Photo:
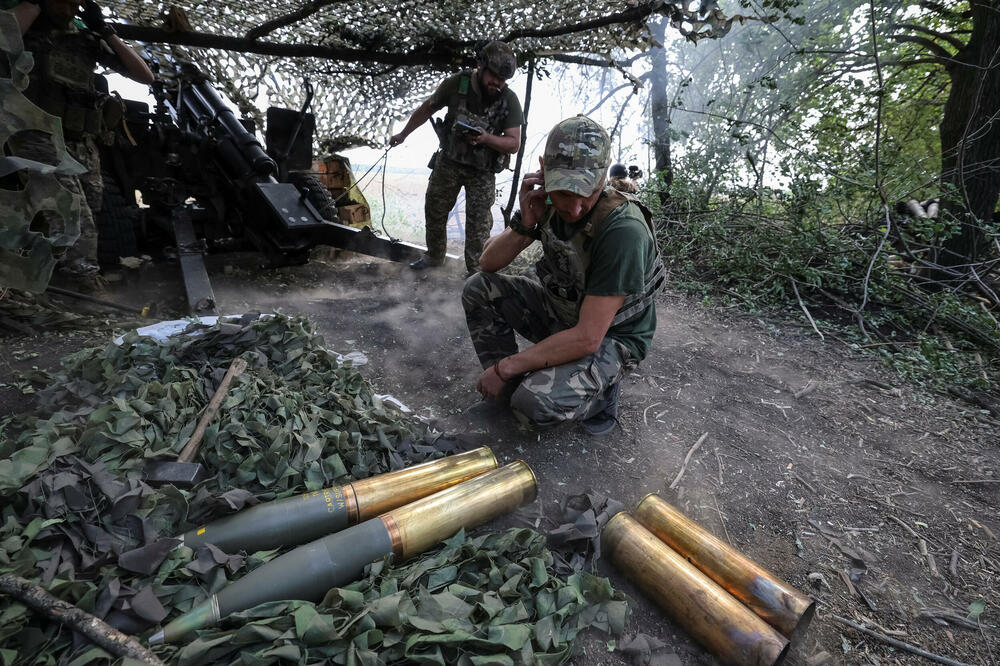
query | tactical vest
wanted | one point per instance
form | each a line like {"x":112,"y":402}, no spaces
{"x":62,"y":80}
{"x":453,"y":143}
{"x":563,"y":267}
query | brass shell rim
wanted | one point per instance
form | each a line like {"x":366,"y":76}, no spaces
{"x":646,"y":497}
{"x":609,"y":537}
{"x":496,"y":463}
{"x":534,"y":479}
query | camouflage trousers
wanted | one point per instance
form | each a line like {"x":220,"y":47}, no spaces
{"x":497,"y":307}
{"x":447,"y":178}
{"x":36,"y":145}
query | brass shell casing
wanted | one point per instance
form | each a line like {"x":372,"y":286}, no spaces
{"x":375,"y":495}
{"x":720,"y":623}
{"x":777,"y":603}
{"x":419,"y":525}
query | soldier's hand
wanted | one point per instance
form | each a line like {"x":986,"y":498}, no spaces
{"x":476,"y":138}
{"x":489,"y":384}
{"x":396,"y":139}
{"x":92,"y":15}
{"x":532,"y":196}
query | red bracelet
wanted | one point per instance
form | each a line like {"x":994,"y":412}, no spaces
{"x":496,"y":369}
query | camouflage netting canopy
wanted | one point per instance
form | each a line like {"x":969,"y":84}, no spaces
{"x":371,"y":60}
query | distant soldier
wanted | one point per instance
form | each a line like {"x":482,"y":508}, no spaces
{"x":590,"y":312}
{"x":620,"y":179}
{"x":66,"y":54}
{"x":481,"y":129}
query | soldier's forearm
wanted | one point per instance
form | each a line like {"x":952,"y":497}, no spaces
{"x":500,"y":250}
{"x":502,"y":143}
{"x":422,"y":114}
{"x":136,"y":67}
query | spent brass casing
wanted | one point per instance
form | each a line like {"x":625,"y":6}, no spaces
{"x":719,"y":622}
{"x":777,"y":603}
{"x":309,"y":571}
{"x":311,"y":515}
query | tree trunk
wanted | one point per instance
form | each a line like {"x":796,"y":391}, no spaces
{"x":660,"y":110}
{"x":970,"y":136}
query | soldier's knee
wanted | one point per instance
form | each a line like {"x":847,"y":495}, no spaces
{"x":474,"y":291}
{"x":537,"y":408}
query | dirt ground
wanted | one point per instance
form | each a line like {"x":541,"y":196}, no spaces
{"x":874,"y":495}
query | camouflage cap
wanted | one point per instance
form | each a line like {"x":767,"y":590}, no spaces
{"x":577,"y":153}
{"x":499,"y":58}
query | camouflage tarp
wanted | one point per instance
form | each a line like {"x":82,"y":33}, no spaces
{"x":27,"y":256}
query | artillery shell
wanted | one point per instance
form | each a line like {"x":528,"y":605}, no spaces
{"x":309,"y":571}
{"x":309,"y":516}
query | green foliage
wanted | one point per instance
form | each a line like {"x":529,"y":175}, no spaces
{"x":489,"y":599}
{"x":760,"y":248}
{"x":78,"y":518}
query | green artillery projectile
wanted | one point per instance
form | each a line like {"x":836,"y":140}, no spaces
{"x":307,"y":517}
{"x":309,"y":571}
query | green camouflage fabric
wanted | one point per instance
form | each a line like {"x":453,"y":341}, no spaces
{"x":78,"y":518}
{"x":497,"y":307}
{"x":89,"y":186}
{"x":27,"y":186}
{"x":446,"y":180}
{"x":577,"y":153}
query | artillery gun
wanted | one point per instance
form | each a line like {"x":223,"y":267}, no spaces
{"x":207,"y":184}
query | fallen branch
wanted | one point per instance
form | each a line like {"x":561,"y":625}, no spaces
{"x":806,"y":311}
{"x":805,"y":390}
{"x":913,"y":649}
{"x":96,"y":630}
{"x":687,"y":459}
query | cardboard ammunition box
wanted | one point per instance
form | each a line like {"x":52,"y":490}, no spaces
{"x":337,"y":175}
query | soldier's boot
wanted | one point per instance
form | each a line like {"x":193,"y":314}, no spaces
{"x":425,"y":262}
{"x":604,"y":421}
{"x":79,"y":267}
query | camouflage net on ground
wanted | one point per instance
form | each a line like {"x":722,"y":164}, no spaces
{"x":384,"y":58}
{"x":79,"y":519}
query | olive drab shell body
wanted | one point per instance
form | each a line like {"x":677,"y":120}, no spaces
{"x":311,"y":515}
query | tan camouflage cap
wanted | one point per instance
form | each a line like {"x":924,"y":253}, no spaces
{"x":577,"y":154}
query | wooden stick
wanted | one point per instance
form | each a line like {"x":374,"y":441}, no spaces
{"x":899,"y":644}
{"x":94,"y":629}
{"x":953,"y":567}
{"x":236,"y":368}
{"x":687,"y":459}
{"x":904,"y":526}
{"x":805,"y":390}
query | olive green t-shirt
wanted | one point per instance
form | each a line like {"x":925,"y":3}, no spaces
{"x":448,"y":91}
{"x":622,"y":254}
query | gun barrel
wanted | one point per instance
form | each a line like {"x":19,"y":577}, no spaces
{"x":717,"y":620}
{"x":309,"y":516}
{"x":777,"y":603}
{"x":309,"y":571}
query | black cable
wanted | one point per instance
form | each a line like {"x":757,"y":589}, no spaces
{"x":385,"y":167}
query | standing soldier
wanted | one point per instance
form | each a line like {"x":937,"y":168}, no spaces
{"x":481,"y":129}
{"x":62,"y":83}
